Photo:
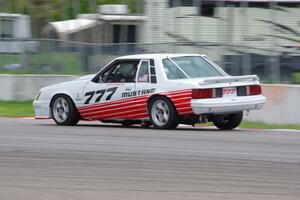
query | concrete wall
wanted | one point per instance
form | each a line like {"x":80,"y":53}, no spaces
{"x":25,"y":87}
{"x":282,"y":107}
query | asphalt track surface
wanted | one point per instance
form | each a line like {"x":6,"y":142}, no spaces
{"x":39,"y":160}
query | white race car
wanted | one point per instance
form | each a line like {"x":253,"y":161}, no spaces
{"x":162,"y":90}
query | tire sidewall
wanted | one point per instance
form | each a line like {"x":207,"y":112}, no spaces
{"x":173,"y":117}
{"x":73,"y":115}
{"x":234,"y":121}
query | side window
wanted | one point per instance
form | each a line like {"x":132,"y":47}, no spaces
{"x":172,"y":71}
{"x":104,"y":75}
{"x":6,"y":28}
{"x":123,"y":72}
{"x":143,"y":75}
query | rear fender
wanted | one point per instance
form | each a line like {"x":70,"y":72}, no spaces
{"x":181,"y":100}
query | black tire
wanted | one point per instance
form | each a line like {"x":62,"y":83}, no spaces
{"x":71,"y":117}
{"x":171,"y":119}
{"x":229,"y":121}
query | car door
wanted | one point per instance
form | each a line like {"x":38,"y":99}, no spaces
{"x":108,"y":86}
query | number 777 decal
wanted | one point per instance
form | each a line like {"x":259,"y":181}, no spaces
{"x":100,"y":94}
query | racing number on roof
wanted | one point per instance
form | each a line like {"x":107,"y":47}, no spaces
{"x":100,"y":94}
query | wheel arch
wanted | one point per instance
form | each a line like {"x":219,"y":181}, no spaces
{"x":171,"y":121}
{"x":152,"y":97}
{"x":57,"y":94}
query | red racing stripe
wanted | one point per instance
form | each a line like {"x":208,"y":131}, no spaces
{"x":112,"y":102}
{"x":134,"y":107}
{"x":113,"y":106}
{"x":185,"y":100}
{"x":182,"y":103}
{"x":122,"y":115}
{"x":176,"y":92}
{"x":114,"y":110}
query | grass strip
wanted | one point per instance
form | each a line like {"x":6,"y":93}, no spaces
{"x":257,"y":125}
{"x":16,"y":109}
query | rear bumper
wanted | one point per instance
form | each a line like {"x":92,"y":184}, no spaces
{"x":41,"y":109}
{"x":227,"y":105}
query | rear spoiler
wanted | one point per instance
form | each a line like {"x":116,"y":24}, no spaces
{"x":228,"y":79}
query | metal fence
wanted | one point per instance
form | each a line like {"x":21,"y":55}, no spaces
{"x":256,"y":40}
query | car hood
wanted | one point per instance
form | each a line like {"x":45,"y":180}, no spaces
{"x":87,"y":77}
{"x":79,"y":82}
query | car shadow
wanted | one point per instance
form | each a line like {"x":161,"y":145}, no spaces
{"x":118,"y":126}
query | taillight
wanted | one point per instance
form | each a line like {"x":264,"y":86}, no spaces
{"x":254,"y":90}
{"x":202,"y":93}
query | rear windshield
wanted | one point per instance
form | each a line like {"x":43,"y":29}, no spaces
{"x":193,"y":66}
{"x":172,"y":71}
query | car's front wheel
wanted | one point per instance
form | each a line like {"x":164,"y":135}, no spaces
{"x":162,"y":113}
{"x":64,"y":111}
{"x":229,"y":121}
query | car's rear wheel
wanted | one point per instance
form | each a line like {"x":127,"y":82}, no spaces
{"x":64,"y":111}
{"x":162,"y":113}
{"x":229,"y":121}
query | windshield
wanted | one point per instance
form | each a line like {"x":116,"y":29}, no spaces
{"x":192,"y":66}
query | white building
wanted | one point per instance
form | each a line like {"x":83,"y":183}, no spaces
{"x":258,"y":23}
{"x":14,"y":30}
{"x":113,"y":24}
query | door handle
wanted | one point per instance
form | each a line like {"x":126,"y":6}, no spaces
{"x":128,"y":88}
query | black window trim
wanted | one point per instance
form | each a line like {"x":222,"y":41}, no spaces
{"x":172,"y":61}
{"x":110,"y":65}
{"x":138,"y":71}
{"x":152,"y":63}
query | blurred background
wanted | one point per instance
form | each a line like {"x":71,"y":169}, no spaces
{"x":80,"y":36}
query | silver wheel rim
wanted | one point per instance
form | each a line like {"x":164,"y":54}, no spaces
{"x":160,"y":112}
{"x":60,"y":110}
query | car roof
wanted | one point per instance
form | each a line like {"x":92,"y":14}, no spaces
{"x":155,"y":55}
